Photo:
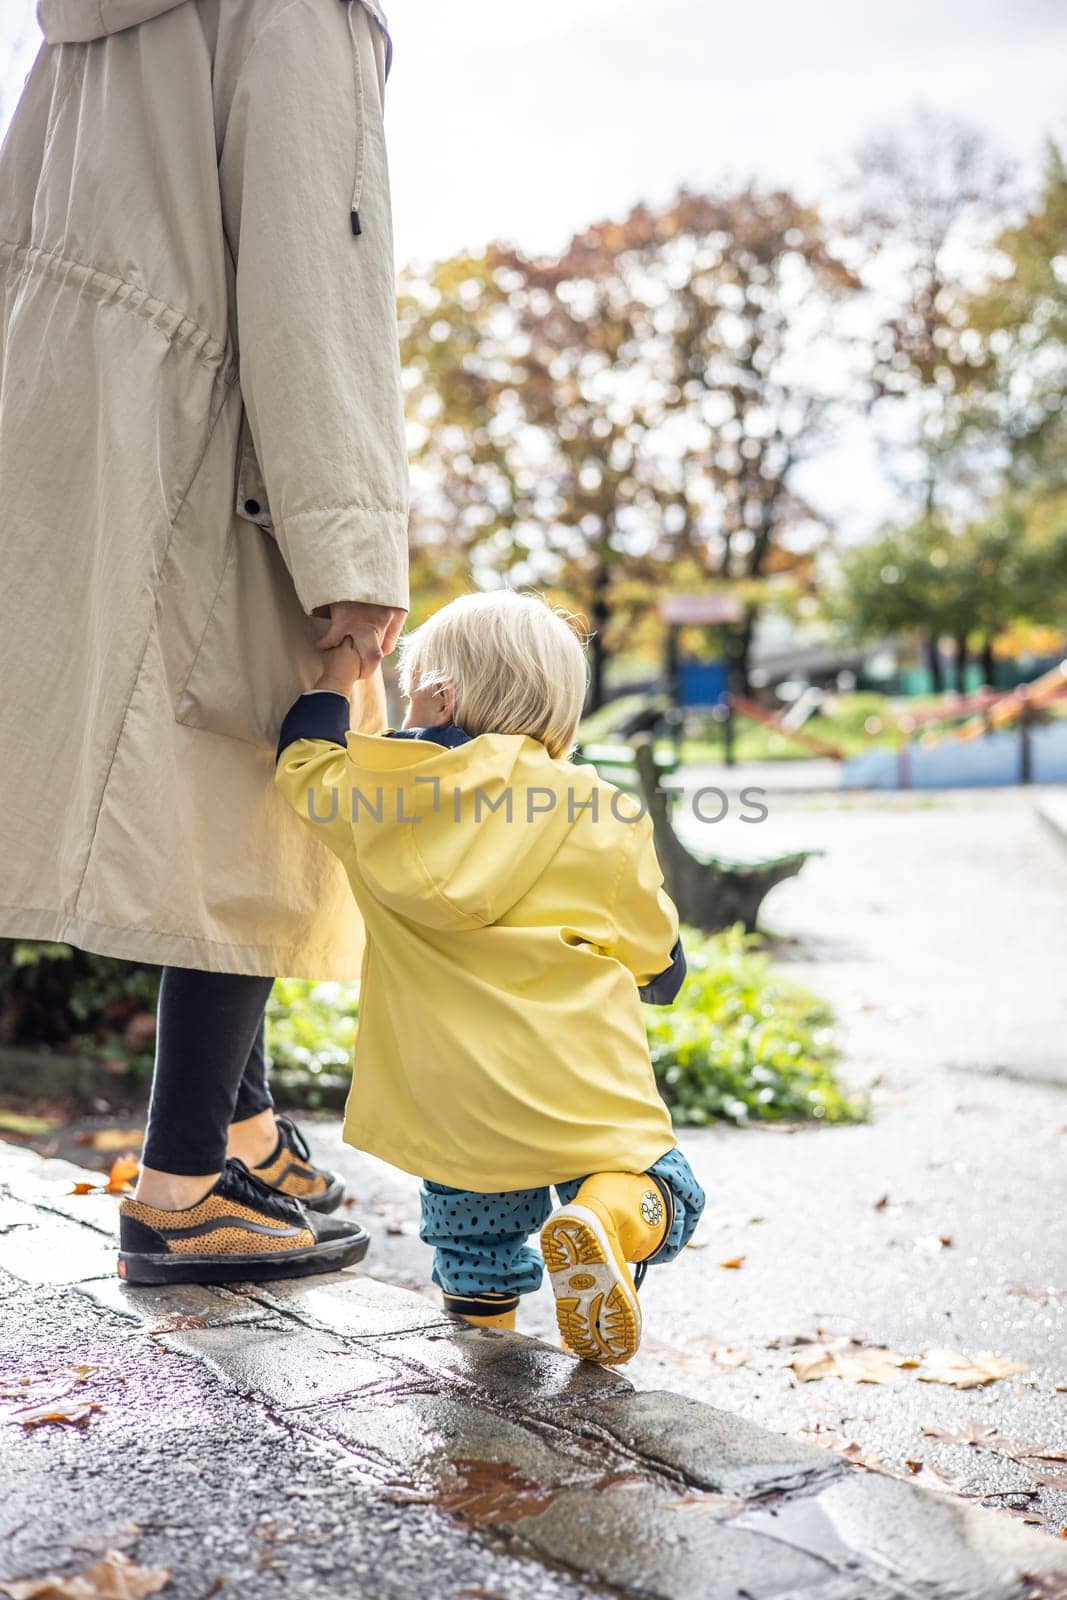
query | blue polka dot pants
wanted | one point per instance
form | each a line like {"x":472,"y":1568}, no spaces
{"x":479,"y":1240}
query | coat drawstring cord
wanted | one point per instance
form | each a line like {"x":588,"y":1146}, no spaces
{"x":361,"y":137}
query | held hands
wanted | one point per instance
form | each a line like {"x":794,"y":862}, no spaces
{"x":360,"y":634}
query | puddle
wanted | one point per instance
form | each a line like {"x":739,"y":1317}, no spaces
{"x":486,"y":1494}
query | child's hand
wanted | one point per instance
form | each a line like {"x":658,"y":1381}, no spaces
{"x":341,"y":668}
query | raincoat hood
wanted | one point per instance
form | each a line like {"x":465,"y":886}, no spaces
{"x":453,"y":838}
{"x":77,"y":21}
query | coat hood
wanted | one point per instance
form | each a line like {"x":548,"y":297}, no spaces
{"x":77,"y":21}
{"x":453,"y":838}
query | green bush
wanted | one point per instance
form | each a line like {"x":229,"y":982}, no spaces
{"x":741,"y":1043}
{"x":311,"y":1027}
{"x":67,"y":999}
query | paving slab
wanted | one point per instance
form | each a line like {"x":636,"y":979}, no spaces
{"x":356,"y":1423}
{"x":171,"y":1307}
{"x":358,"y":1306}
{"x":287,"y":1369}
{"x":427,"y":1439}
{"x":56,"y":1251}
{"x":711,"y":1448}
{"x":931,"y":1543}
{"x":518,"y":1370}
{"x":653,"y":1542}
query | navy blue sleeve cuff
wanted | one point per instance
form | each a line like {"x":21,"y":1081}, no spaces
{"x":316,"y":716}
{"x":664,"y":987}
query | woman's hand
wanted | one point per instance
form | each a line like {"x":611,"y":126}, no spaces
{"x":373,"y":629}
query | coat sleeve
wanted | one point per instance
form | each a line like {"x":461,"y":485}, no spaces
{"x":645,"y":921}
{"x":303,"y":149}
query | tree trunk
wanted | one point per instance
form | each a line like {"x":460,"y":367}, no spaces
{"x":961,"y":664}
{"x":932,"y":651}
{"x":740,"y":647}
{"x":989,"y":662}
{"x":598,"y":651}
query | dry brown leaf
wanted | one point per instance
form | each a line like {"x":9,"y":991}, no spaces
{"x":116,"y":1577}
{"x":952,"y":1367}
{"x":1040,"y":1297}
{"x":978,"y":1434}
{"x":726,"y":1357}
{"x":74,"y":1412}
{"x":882,"y":1203}
{"x":123,"y":1172}
{"x":112,"y":1141}
{"x":854,"y":1363}
{"x":982,"y":1437}
{"x":733,"y":1263}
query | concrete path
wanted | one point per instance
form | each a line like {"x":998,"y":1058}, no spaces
{"x":938,"y":929}
{"x":342,"y":1438}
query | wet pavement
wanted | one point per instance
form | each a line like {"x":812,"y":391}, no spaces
{"x":342,"y":1437}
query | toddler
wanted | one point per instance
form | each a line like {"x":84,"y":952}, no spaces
{"x":515,"y":919}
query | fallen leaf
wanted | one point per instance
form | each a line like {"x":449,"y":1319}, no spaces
{"x":25,"y":1125}
{"x":86,"y":1188}
{"x":733,"y":1263}
{"x":952,"y":1367}
{"x":880,"y":1205}
{"x":123,"y":1173}
{"x":113,"y":1578}
{"x":112,"y":1139}
{"x":1040,"y":1297}
{"x":977,"y":1434}
{"x":853,"y":1362}
{"x":1061,"y":1388}
{"x":941,"y":1478}
{"x":74,"y":1412}
{"x":727,"y":1357}
{"x":982,"y":1437}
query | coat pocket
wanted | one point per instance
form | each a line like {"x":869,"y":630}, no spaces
{"x":257,"y":649}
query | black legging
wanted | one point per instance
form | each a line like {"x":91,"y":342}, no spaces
{"x":210,"y":1067}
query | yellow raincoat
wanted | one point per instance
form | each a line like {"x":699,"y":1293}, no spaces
{"x":512,"y":904}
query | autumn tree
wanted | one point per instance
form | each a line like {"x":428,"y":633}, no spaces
{"x":1020,"y":317}
{"x":924,"y":198}
{"x":633,"y":407}
{"x":968,"y":583}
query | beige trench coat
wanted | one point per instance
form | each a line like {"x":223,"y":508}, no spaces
{"x":201,"y":441}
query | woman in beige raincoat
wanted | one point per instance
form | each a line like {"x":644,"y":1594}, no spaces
{"x":202,"y":480}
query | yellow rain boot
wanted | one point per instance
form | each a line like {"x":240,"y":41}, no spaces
{"x":615,"y":1218}
{"x":484,"y":1310}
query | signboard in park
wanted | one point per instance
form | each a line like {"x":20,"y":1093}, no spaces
{"x":694,"y":609}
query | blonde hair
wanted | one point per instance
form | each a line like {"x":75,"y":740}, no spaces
{"x":514,"y":663}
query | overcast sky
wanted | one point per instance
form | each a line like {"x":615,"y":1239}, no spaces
{"x":527,"y":119}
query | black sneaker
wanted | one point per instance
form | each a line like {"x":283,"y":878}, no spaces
{"x":291,"y":1170}
{"x":242,"y":1231}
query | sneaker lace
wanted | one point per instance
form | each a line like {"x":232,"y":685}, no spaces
{"x":293,"y":1137}
{"x":243,"y":1186}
